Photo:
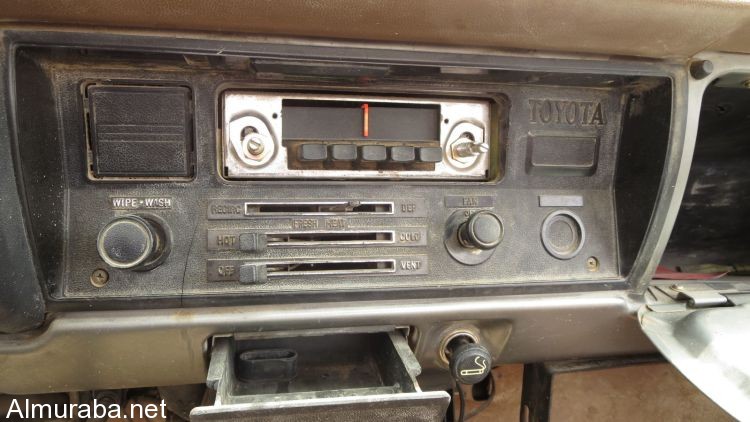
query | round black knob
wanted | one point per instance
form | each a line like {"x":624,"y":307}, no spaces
{"x":483,"y":230}
{"x":470,"y":363}
{"x":131,"y":242}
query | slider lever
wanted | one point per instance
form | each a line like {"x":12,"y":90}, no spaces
{"x":348,"y":207}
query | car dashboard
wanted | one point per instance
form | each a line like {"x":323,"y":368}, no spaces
{"x":173,"y":202}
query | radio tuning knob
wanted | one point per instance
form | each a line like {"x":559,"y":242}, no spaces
{"x":483,"y":230}
{"x":133,"y":242}
{"x":466,"y":147}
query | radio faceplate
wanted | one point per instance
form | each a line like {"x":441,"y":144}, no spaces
{"x":306,"y":136}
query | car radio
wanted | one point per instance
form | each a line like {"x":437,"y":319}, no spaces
{"x":269,"y":135}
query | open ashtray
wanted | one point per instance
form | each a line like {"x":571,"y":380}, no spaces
{"x":346,"y":377}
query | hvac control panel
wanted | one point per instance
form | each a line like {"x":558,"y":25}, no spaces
{"x":368,"y":228}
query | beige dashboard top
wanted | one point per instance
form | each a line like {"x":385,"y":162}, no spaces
{"x":651,"y":28}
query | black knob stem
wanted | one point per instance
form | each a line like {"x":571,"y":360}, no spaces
{"x":483,"y":230}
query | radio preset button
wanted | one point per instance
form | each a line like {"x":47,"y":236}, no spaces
{"x":344,"y":152}
{"x":402,"y":154}
{"x":373,"y":153}
{"x":430,"y":154}
{"x":313,"y":152}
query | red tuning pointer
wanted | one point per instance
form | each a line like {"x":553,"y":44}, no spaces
{"x":366,"y":120}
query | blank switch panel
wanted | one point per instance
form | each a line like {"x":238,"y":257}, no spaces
{"x":140,"y":132}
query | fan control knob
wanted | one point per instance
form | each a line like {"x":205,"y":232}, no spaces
{"x":483,"y":230}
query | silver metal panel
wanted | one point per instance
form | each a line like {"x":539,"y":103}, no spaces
{"x":709,"y":346}
{"x":427,"y":407}
{"x":560,"y":200}
{"x":121,"y":349}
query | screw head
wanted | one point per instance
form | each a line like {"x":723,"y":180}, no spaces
{"x":592,"y":264}
{"x":254,"y":144}
{"x":252,"y":141}
{"x":699,"y":69}
{"x":99,"y":277}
